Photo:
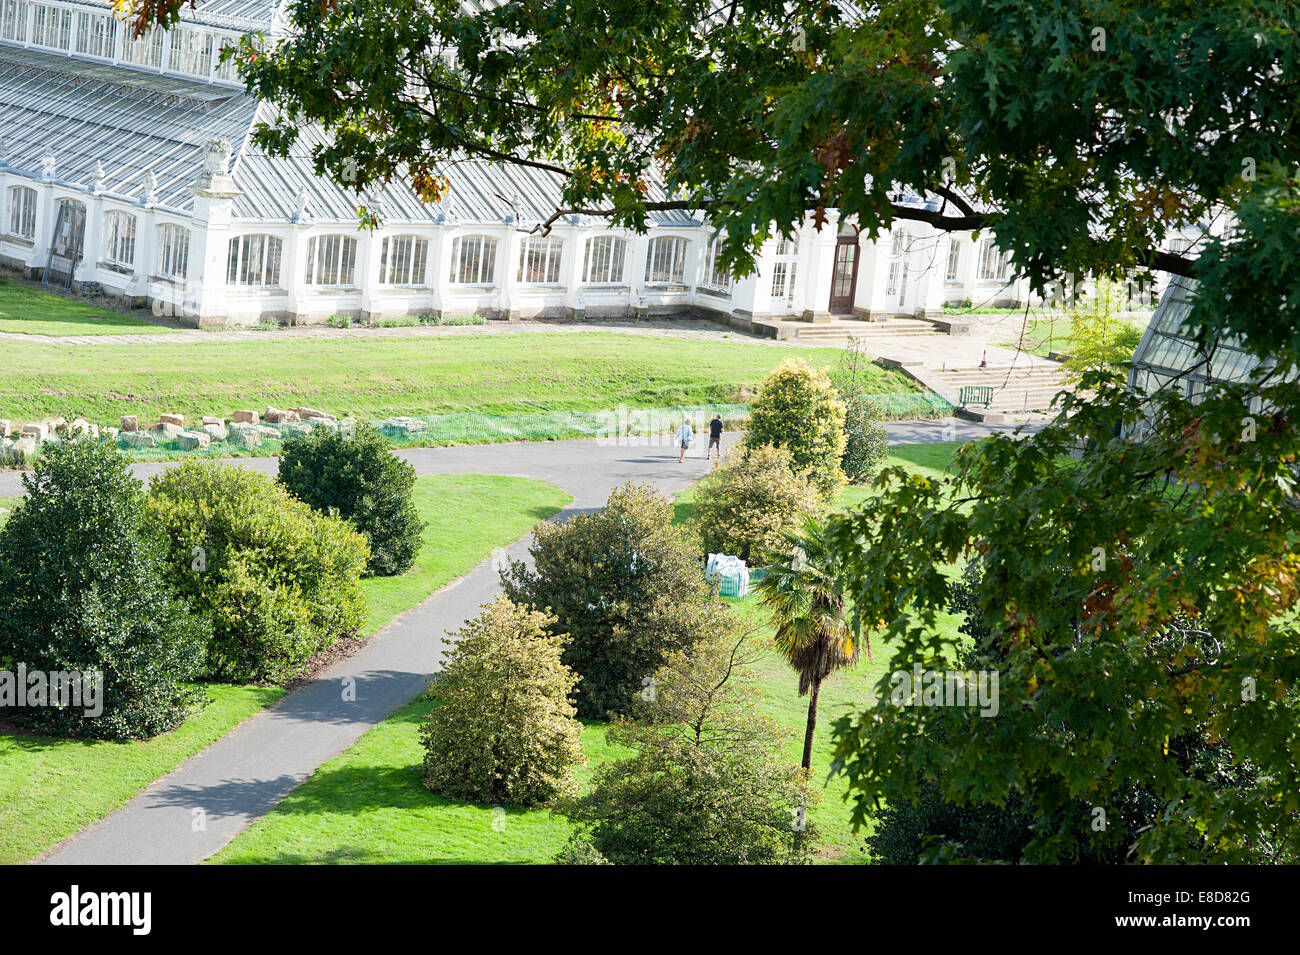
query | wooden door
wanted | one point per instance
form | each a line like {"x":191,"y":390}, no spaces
{"x":844,"y":275}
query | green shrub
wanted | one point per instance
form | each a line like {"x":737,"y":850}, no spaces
{"x":504,"y":732}
{"x":358,"y":477}
{"x":797,"y":409}
{"x":579,"y":851}
{"x":866,"y":443}
{"x":83,"y":591}
{"x":1100,"y":339}
{"x":753,"y":498}
{"x":279,"y":581}
{"x":711,"y":782}
{"x":625,"y":584}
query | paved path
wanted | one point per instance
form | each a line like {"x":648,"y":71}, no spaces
{"x":698,"y":329}
{"x":246,"y":773}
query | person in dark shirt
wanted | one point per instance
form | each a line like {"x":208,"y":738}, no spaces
{"x":715,"y":435}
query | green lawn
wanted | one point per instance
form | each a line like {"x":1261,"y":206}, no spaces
{"x":1043,"y":336}
{"x":51,"y":788}
{"x":375,"y":378}
{"x":7,"y":504}
{"x":368,"y":805}
{"x":469,"y":516}
{"x":29,"y":311}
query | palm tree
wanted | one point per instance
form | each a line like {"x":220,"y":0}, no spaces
{"x":812,"y":627}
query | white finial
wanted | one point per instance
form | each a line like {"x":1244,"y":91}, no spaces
{"x":216,"y":157}
{"x":300,"y":200}
{"x":48,"y":162}
{"x":97,"y":178}
{"x":151,"y":188}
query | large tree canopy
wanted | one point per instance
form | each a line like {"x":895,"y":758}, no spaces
{"x":1078,"y":132}
{"x":1139,"y":596}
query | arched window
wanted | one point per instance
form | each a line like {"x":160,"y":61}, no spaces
{"x":13,"y":20}
{"x":146,"y":50}
{"x":402,"y":259}
{"x":254,"y":261}
{"x":715,"y":275}
{"x":331,"y":260}
{"x":896,"y":283}
{"x":473,"y":260}
{"x":52,"y":27}
{"x":97,"y":35}
{"x":666,"y":262}
{"x":22,"y":212}
{"x":993,"y":264}
{"x":954,"y":259}
{"x":191,"y":51}
{"x":785,"y":270}
{"x":539,"y":260}
{"x":173,"y":251}
{"x":603,"y":264}
{"x":227,"y":69}
{"x":119,"y":239}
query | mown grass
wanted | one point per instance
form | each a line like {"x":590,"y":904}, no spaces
{"x":372,"y":378}
{"x":51,"y":788}
{"x":28,"y":311}
{"x":468,"y":516}
{"x":368,"y":805}
{"x":1042,"y":336}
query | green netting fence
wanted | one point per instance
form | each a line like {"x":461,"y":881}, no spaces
{"x":911,"y":404}
{"x":477,"y":428}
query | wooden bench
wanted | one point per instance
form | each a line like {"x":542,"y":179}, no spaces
{"x":975,"y":395}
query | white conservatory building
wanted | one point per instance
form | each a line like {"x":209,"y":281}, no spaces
{"x":126,"y":168}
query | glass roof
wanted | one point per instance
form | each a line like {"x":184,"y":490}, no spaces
{"x":1169,"y":357}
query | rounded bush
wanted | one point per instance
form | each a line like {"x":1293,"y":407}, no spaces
{"x":797,"y":409}
{"x":625,"y":584}
{"x":504,"y":731}
{"x":357,"y":476}
{"x":754,"y":497}
{"x":84,"y":592}
{"x":279,"y":581}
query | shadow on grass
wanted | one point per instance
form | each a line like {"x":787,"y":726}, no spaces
{"x":16,"y":735}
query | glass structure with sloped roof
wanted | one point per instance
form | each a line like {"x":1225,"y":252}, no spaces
{"x":1169,"y":357}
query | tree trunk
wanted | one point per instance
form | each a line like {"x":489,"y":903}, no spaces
{"x":812,"y":725}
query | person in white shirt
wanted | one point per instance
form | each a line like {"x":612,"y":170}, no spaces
{"x":685,"y":435}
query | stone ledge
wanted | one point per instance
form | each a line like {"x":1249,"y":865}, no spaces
{"x":950,"y":326}
{"x":982,"y":415}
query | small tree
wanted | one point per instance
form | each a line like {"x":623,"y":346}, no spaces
{"x":279,"y":581}
{"x":1100,"y":340}
{"x":83,"y":591}
{"x":625,"y":584}
{"x":797,"y":409}
{"x":710,"y":783}
{"x":358,"y":477}
{"x":504,"y":731}
{"x":746,"y":505}
{"x":865,"y":442}
{"x":808,"y":612}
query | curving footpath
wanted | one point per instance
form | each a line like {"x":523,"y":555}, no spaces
{"x":188,"y":815}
